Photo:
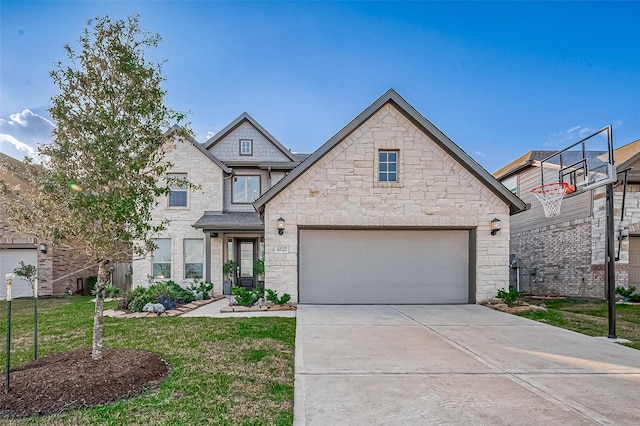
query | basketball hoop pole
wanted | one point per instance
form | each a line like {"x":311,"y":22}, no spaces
{"x":609,"y":262}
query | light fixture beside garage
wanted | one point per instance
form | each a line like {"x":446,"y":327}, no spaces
{"x":494,"y":225}
{"x":43,"y":248}
{"x":280,"y":225}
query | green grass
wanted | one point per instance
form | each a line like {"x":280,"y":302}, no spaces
{"x":230,"y":371}
{"x":590,"y":317}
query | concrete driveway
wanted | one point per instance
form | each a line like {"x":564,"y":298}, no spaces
{"x":464,"y":364}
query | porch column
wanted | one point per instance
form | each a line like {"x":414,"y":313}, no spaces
{"x":207,"y":256}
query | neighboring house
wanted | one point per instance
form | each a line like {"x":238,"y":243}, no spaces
{"x":564,"y":255}
{"x":59,"y":269}
{"x":216,"y":222}
{"x":389,"y":210}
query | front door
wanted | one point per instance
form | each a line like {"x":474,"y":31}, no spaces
{"x":245,"y":255}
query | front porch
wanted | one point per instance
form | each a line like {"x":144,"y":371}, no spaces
{"x":238,"y":240}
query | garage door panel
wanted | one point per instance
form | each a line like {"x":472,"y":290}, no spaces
{"x":384,"y":266}
{"x":9,"y":260}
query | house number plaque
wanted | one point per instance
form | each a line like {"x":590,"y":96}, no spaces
{"x":282,"y":249}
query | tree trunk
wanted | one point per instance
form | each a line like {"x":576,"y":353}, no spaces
{"x":98,"y":319}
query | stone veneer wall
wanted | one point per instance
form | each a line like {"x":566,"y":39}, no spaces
{"x":341,"y":189}
{"x":201,"y":171}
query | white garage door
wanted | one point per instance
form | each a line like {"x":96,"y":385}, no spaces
{"x":384,"y":266}
{"x":9,"y":260}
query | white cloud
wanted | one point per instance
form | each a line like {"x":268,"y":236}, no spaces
{"x":480,"y":154}
{"x":22,"y":132}
{"x":20,"y":146}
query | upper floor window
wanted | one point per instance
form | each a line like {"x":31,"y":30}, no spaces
{"x":246,"y":189}
{"x":511,"y":184}
{"x":246,"y":147}
{"x":178,"y":192}
{"x":387,"y":166}
{"x":162,"y":259}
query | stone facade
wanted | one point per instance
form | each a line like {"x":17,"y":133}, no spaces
{"x":433,"y":190}
{"x":200,"y":171}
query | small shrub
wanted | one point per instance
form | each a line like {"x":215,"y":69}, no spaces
{"x":153,"y":307}
{"x":137,"y":304}
{"x":124,"y":301}
{"x":634,"y":298}
{"x":91,"y":284}
{"x":167,"y":302}
{"x":244,"y":297}
{"x":508,"y":297}
{"x":272,"y":296}
{"x":201,"y":290}
{"x":111,"y":291}
{"x":625,"y":292}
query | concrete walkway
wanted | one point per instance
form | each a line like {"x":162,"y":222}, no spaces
{"x":461,"y":365}
{"x":212,"y":310}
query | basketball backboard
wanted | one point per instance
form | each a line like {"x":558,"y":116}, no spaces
{"x":585,"y":165}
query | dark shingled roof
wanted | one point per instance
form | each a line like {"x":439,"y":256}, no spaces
{"x":230,"y":221}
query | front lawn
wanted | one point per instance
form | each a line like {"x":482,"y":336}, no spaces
{"x":225,"y":371}
{"x":590,"y":317}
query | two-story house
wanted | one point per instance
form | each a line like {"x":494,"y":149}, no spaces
{"x":564,"y":255}
{"x":217,"y":222}
{"x":389,"y":210}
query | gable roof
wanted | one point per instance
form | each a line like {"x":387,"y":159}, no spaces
{"x":200,"y":148}
{"x":12,"y":170}
{"x":523,"y":162}
{"x":624,"y":157}
{"x":245,"y":117}
{"x":627,"y":154}
{"x":392,"y":97}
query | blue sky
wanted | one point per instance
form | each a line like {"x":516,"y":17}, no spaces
{"x":498,"y":78}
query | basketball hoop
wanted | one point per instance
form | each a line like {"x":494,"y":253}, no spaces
{"x":551,"y":195}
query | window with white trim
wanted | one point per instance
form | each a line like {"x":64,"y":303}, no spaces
{"x":246,"y":189}
{"x":193,"y":258}
{"x":178,"y":192}
{"x":387,"y":166}
{"x":162,"y":259}
{"x":246,"y":147}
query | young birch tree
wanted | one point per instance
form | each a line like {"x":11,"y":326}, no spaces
{"x":102,"y":175}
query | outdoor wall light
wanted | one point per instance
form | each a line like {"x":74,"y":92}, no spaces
{"x":280,"y":225}
{"x":494,"y":225}
{"x":43,"y":248}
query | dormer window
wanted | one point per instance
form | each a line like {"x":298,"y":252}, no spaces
{"x":246,"y":147}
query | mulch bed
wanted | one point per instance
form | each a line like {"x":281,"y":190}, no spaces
{"x":72,"y":380}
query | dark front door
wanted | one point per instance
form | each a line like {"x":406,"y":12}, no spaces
{"x":246,"y":256}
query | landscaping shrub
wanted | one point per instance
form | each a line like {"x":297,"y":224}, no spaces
{"x":167,"y":302}
{"x":244,"y":297}
{"x":91,"y":285}
{"x":272,"y":296}
{"x":201,"y":290}
{"x":625,"y":292}
{"x":111,"y":291}
{"x":153,"y":307}
{"x":508,"y":297}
